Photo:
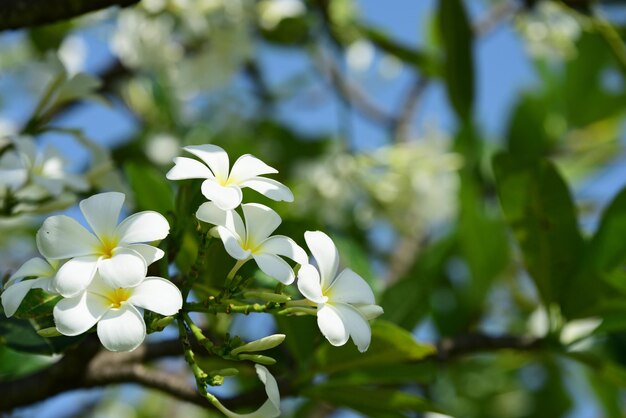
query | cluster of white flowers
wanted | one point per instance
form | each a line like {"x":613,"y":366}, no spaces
{"x":99,"y":274}
{"x":394,"y":183}
{"x":550,"y":31}
{"x":344,"y":303}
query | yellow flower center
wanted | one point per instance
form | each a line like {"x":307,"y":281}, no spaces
{"x":117,"y":297}
{"x":107,"y":245}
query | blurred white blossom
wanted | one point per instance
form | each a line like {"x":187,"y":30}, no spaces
{"x":550,"y":30}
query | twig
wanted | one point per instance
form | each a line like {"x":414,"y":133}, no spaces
{"x":401,"y":126}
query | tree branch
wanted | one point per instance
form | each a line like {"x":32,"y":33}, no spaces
{"x":462,"y":345}
{"x":15,"y":14}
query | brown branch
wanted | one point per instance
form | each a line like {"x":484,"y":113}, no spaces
{"x":15,"y":14}
{"x":462,"y":345}
{"x":401,"y":126}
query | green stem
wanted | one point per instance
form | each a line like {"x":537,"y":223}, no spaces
{"x":197,"y":332}
{"x":234,"y":270}
{"x":231,"y":308}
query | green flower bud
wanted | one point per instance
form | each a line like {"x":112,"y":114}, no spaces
{"x":225,"y":372}
{"x":268,"y":296}
{"x":257,"y":358}
{"x":263,"y":344}
{"x":49,"y":332}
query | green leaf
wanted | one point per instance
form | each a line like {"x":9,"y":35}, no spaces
{"x":354,"y":257}
{"x":411,"y":56}
{"x":368,"y":400}
{"x":539,"y":208}
{"x":390,"y":344}
{"x":527,"y":137}
{"x":491,"y":256}
{"x":458,"y":66}
{"x":20,"y":335}
{"x":151,"y":189}
{"x":600,"y":286}
{"x":420,"y":372}
{"x":303,"y":337}
{"x":406,"y":302}
{"x":37,"y":303}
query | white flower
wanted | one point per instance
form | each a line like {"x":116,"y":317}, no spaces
{"x":271,"y":407}
{"x":16,"y":289}
{"x":345,"y":302}
{"x":115,"y":309}
{"x":253,"y":239}
{"x":116,"y":251}
{"x":42,"y":173}
{"x":224,"y":187}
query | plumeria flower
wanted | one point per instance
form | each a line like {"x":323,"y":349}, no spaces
{"x":41,"y":172}
{"x":117,"y":251}
{"x":17,"y":288}
{"x":345,"y":302}
{"x":271,"y":407}
{"x":253,"y":240}
{"x":115,"y":310}
{"x":224,"y":187}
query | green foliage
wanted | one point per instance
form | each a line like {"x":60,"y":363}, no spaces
{"x":538,"y":207}
{"x":458,"y":64}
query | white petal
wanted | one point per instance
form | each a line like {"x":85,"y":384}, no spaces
{"x":325,"y":253}
{"x":261,"y":221}
{"x":285,"y":246}
{"x":188,"y":168}
{"x":54,"y":187}
{"x":102,"y":211}
{"x":148,"y":252}
{"x":349,"y":287}
{"x":309,"y":284}
{"x":269,"y":188}
{"x":62,"y":237}
{"x":225,"y":198}
{"x":122,"y":329}
{"x":157,"y":295}
{"x":248,"y":166}
{"x":275,"y":267}
{"x":75,"y":275}
{"x":214,"y":156}
{"x":271,"y":407}
{"x":126,"y":268}
{"x":76,"y":315}
{"x":13,"y":296}
{"x":369,"y":312}
{"x":232,"y":244}
{"x":331,"y":325}
{"x":35,"y":267}
{"x":144,"y":226}
{"x":209,"y":212}
{"x":356,"y":325}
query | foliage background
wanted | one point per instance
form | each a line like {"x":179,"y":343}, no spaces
{"x":467,"y":157}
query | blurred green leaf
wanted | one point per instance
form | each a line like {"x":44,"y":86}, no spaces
{"x":37,"y":303}
{"x":489,"y":258}
{"x":458,"y":64}
{"x":151,"y":189}
{"x":406,"y":302}
{"x":411,"y":56}
{"x":538,"y":207}
{"x":389,"y":402}
{"x":390,"y":344}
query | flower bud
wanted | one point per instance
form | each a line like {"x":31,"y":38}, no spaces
{"x":263,"y":344}
{"x":225,"y":372}
{"x":49,"y":332}
{"x":257,"y":358}
{"x":163,"y":322}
